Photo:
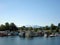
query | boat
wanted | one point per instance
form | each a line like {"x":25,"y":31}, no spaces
{"x":52,"y":35}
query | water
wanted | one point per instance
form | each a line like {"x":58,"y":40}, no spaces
{"x":16,"y":40}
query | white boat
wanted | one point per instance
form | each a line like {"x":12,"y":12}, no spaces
{"x":52,"y":35}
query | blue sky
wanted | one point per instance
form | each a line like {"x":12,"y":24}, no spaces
{"x":30,"y":12}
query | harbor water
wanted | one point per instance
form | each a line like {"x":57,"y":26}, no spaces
{"x":16,"y":40}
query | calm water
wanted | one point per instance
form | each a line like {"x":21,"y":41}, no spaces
{"x":16,"y":40}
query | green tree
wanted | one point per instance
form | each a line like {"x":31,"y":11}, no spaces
{"x":7,"y":26}
{"x":53,"y":27}
{"x":41,"y":28}
{"x":23,"y":27}
{"x":30,"y":28}
{"x":36,"y":29}
{"x":2,"y":27}
{"x":58,"y":25}
{"x":13,"y":27}
{"x":26,"y":28}
{"x":47,"y":28}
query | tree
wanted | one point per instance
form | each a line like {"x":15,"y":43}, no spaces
{"x":41,"y":28}
{"x":13,"y":27}
{"x":58,"y":25}
{"x":30,"y":28}
{"x":53,"y":27}
{"x":47,"y":28}
{"x":20,"y":28}
{"x":7,"y":26}
{"x":58,"y":28}
{"x":23,"y":27}
{"x":26,"y":28}
{"x":36,"y":29}
{"x":2,"y":27}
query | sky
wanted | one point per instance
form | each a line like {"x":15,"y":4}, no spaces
{"x":30,"y":12}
